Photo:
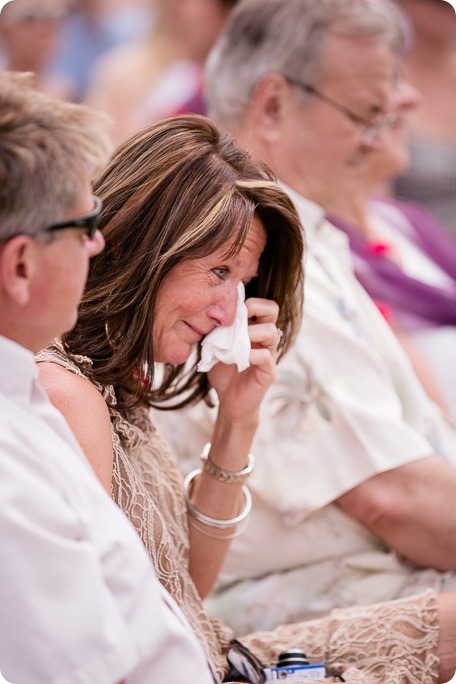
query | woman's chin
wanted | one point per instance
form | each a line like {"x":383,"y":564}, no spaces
{"x":176,"y":356}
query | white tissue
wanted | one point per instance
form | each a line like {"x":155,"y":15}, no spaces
{"x":228,"y":344}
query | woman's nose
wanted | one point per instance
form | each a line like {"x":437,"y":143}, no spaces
{"x":223,"y":311}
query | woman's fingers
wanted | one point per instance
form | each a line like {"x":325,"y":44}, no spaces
{"x":264,"y":335}
{"x":262,"y":365}
{"x":263,"y":314}
{"x":262,"y":310}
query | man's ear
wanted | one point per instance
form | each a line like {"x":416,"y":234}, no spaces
{"x":17,"y":268}
{"x":269,"y":104}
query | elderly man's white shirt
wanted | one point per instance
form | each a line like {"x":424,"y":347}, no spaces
{"x":346,"y":392}
{"x":79,"y":601}
{"x":345,"y":406}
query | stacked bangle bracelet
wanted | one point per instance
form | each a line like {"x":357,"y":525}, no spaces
{"x":215,"y":522}
{"x":220,"y":535}
{"x":228,"y":476}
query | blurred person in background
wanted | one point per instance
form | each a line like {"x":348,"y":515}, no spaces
{"x":29,"y":33}
{"x":162,"y":74}
{"x":405,"y":260}
{"x":431,"y":67}
{"x":91,"y":29}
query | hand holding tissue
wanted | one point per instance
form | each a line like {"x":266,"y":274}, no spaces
{"x":228,"y":344}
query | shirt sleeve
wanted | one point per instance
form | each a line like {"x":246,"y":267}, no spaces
{"x":59,"y":622}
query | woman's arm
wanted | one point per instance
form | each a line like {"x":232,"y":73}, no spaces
{"x":87,"y":414}
{"x":240,"y":396}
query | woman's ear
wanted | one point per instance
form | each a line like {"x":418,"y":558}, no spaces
{"x":17,"y":267}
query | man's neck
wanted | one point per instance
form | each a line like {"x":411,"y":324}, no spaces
{"x":20,"y":336}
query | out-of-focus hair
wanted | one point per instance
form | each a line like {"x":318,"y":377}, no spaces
{"x":47,"y":148}
{"x":288,"y":37}
{"x":178,"y":190}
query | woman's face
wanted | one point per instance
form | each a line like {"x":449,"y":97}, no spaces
{"x":198,"y":295}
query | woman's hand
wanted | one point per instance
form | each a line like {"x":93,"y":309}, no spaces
{"x":240,"y":394}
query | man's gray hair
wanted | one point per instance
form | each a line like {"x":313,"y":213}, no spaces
{"x":284,"y":36}
{"x":47,"y":148}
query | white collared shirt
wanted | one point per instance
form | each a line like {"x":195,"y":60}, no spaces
{"x":79,"y":601}
{"x":346,"y":403}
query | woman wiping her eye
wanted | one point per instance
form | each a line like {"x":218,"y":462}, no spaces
{"x":187,"y":217}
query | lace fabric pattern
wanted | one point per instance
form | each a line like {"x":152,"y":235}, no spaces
{"x":392,"y":643}
{"x":388,"y":643}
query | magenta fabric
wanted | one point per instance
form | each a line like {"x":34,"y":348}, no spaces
{"x":387,"y":283}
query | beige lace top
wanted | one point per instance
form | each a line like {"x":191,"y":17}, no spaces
{"x":389,"y":643}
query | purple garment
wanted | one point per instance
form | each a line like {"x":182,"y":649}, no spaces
{"x":385,"y":281}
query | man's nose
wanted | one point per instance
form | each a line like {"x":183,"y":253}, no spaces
{"x":407,"y":97}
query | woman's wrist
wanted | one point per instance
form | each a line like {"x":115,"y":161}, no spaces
{"x":228,"y":476}
{"x":245,"y":425}
{"x":231,"y":442}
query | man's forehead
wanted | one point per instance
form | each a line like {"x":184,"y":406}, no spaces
{"x":358,"y":69}
{"x":352,"y":58}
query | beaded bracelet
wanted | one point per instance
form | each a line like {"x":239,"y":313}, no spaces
{"x":206,"y":519}
{"x":228,"y":476}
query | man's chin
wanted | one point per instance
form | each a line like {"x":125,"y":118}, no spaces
{"x":69,"y":325}
{"x":358,"y":163}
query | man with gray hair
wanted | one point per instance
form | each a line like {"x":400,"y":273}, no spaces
{"x":79,"y":600}
{"x":352,"y":486}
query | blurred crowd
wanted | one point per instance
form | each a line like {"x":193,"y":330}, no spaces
{"x":138,"y":60}
{"x":141,"y":60}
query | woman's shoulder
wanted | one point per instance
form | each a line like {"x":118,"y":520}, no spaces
{"x":66,"y":383}
{"x":86,"y":412}
{"x":71,"y":392}
{"x":56,"y":355}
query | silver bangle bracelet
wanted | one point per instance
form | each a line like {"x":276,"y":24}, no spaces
{"x":228,"y":476}
{"x":206,"y":519}
{"x":220,"y":536}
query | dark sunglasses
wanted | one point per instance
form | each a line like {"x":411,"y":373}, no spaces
{"x":89,"y":221}
{"x":245,"y":666}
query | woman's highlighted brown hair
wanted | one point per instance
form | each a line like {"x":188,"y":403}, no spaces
{"x":178,"y":190}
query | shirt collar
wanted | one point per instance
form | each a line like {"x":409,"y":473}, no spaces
{"x":319,"y":232}
{"x":312,"y":214}
{"x":18,"y":370}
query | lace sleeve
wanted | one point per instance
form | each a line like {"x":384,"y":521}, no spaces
{"x":391,"y":643}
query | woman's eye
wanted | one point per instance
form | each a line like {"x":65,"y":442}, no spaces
{"x":220,"y":272}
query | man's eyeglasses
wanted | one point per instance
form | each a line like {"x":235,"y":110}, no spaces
{"x":371,"y":128}
{"x":88,"y":221}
